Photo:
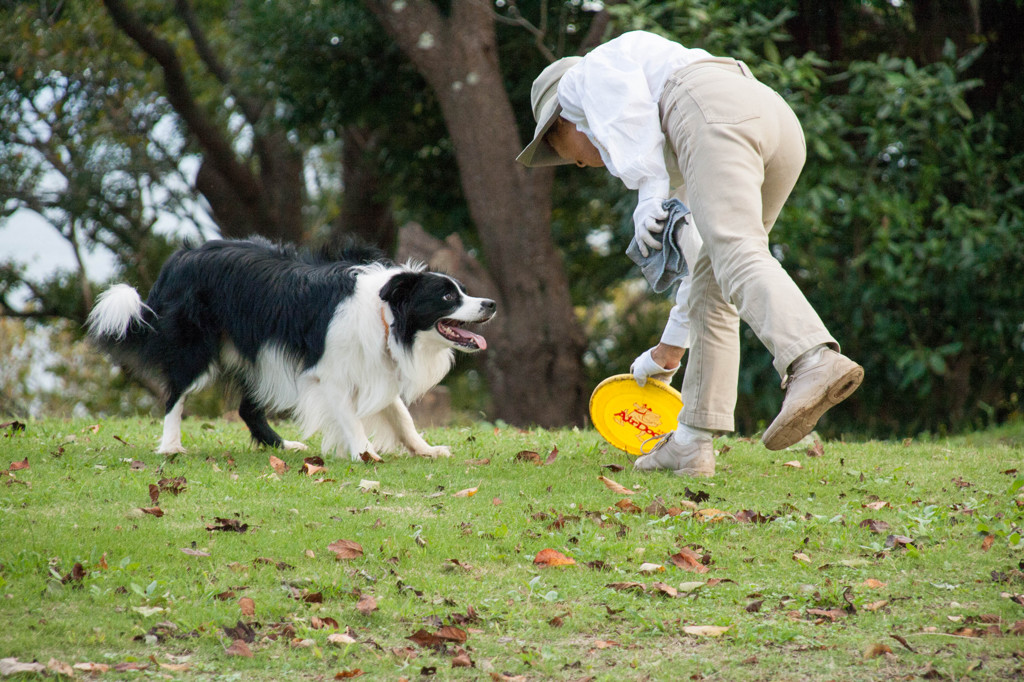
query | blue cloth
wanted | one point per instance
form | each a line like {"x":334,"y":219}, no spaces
{"x":665,"y":266}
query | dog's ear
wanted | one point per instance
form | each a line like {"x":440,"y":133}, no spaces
{"x":397,"y":293}
{"x":398,"y":288}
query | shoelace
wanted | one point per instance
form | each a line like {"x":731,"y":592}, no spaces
{"x":658,"y":442}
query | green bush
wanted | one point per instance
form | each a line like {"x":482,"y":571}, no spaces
{"x":905,"y":232}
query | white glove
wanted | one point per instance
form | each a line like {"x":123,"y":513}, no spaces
{"x":644,"y":368}
{"x":649,"y":217}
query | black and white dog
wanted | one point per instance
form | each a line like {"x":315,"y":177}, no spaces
{"x":343,"y":343}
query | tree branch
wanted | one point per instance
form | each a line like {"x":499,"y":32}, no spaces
{"x":218,"y":148}
{"x":83,"y":278}
{"x":249,"y":106}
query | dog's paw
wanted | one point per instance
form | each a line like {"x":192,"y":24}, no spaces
{"x":171,"y":449}
{"x":294,"y":445}
{"x":435,"y":451}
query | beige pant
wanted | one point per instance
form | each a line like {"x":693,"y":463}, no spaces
{"x":740,"y":150}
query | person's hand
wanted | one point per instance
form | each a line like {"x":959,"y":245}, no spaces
{"x":648,"y":220}
{"x":646,"y":367}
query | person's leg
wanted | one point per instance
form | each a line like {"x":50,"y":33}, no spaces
{"x":737,"y":163}
{"x":740,"y":150}
{"x":711,"y":377}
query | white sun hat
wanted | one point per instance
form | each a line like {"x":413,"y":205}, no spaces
{"x":546,"y":108}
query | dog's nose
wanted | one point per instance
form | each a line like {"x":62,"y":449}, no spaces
{"x":487,"y":305}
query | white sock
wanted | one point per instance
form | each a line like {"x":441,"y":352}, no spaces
{"x":812,"y":355}
{"x":691,"y":434}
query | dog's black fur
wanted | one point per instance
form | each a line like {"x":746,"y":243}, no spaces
{"x":264,"y":315}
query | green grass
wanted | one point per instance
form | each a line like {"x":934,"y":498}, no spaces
{"x":432,"y":559}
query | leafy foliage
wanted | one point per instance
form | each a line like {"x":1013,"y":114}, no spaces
{"x":90,"y":148}
{"x":905,"y":233}
{"x":904,"y":230}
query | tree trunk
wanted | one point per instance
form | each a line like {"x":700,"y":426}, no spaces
{"x":937,"y":21}
{"x":363,"y":214}
{"x":535,"y":368}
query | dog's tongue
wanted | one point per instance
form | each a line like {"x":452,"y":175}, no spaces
{"x":479,"y":341}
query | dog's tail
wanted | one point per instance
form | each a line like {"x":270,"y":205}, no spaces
{"x":119,"y":319}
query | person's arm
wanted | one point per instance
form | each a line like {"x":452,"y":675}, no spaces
{"x":662,"y":361}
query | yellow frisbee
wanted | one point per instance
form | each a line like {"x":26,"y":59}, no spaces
{"x":627,"y":415}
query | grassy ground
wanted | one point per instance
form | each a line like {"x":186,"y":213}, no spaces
{"x":871,"y":561}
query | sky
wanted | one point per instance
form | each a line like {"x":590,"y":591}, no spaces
{"x":28,"y":239}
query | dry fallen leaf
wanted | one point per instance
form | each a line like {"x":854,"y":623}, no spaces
{"x":627,"y":587}
{"x":898,"y":540}
{"x":461,"y":660}
{"x":346,"y":549}
{"x":665,"y":589}
{"x":91,"y":667}
{"x":248,"y":606}
{"x":451,"y":633}
{"x":615,"y":487}
{"x":874,"y":525}
{"x":551,"y":557}
{"x":705,"y":630}
{"x":468,"y":492}
{"x":801,"y":558}
{"x":62,"y":668}
{"x":627,"y":505}
{"x":831,"y":614}
{"x":14,"y":426}
{"x":321,"y":622}
{"x":875,"y":605}
{"x":278,"y":465}
{"x":711,"y":515}
{"x":12,"y":666}
{"x":239,"y":648}
{"x":348,"y":674}
{"x":366,"y":604}
{"x":340,"y":639}
{"x":688,"y":560}
{"x":651,"y":568}
{"x":876,"y":650}
{"x":312,"y":469}
{"x":795,"y":464}
{"x":528,"y":456}
{"x":227,"y":524}
{"x":873,"y":584}
{"x":194,"y":552}
{"x":425,"y":639}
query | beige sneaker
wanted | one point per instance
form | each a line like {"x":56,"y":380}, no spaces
{"x":812,"y":387}
{"x":696,"y":458}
